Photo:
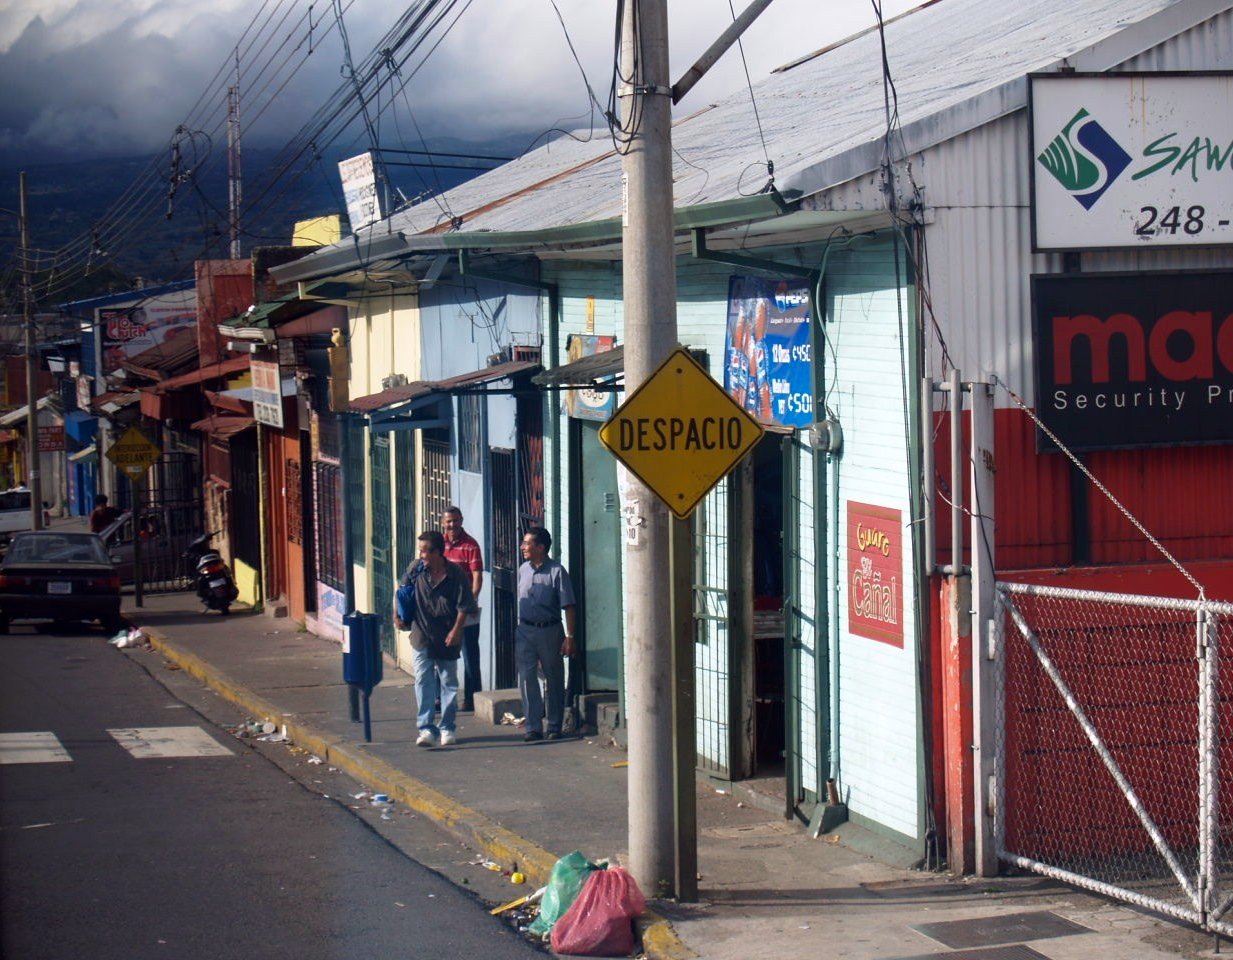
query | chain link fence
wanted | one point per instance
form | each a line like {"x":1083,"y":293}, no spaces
{"x":1114,"y":724}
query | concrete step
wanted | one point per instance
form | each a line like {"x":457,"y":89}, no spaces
{"x":492,"y":705}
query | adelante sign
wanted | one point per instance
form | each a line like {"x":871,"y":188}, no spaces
{"x":1134,"y":359}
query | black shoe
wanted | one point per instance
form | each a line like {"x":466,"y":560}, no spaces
{"x":532,"y":736}
{"x":554,"y":735}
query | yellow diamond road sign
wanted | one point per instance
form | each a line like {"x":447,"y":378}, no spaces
{"x":134,"y":453}
{"x":679,"y":433}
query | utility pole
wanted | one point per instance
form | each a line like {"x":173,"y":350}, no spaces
{"x":233,"y":160}
{"x":649,"y":272}
{"x":33,"y":480}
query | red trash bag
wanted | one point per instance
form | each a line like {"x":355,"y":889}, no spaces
{"x":598,"y":924}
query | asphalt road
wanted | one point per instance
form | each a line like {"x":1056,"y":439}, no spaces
{"x":113,"y":848}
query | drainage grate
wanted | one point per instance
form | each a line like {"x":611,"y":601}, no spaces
{"x":1016,"y":952}
{"x":987,"y":931}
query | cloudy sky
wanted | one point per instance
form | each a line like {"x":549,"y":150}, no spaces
{"x":88,"y":78}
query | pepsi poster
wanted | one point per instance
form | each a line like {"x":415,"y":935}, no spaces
{"x":768,"y":368}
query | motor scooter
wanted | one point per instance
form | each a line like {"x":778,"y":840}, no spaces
{"x":215,"y":585}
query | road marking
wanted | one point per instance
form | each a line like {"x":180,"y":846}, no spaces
{"x":35,"y":747}
{"x":145,"y":742}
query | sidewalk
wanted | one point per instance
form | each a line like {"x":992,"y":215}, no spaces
{"x":767,"y":889}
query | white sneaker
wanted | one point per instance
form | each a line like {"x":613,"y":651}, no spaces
{"x":426,"y":739}
{"x":447,"y":738}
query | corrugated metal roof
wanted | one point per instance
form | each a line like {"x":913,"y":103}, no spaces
{"x":129,"y":296}
{"x":113,"y":400}
{"x":585,"y":370}
{"x":956,"y":64}
{"x":168,"y":357}
{"x":223,"y":427}
{"x":498,"y":371}
{"x":208,"y":372}
{"x":393,"y":396}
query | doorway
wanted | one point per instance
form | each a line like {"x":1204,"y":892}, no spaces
{"x":503,"y":561}
{"x":596,"y":563}
{"x":756,"y":595}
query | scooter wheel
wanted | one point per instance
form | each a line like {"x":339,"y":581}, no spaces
{"x":225,"y":609}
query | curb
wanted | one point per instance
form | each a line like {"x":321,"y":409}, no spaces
{"x":660,"y":941}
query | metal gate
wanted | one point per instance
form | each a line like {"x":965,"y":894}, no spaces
{"x":712,"y":653}
{"x":1113,"y":726}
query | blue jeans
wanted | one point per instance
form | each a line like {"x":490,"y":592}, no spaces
{"x":435,"y":678}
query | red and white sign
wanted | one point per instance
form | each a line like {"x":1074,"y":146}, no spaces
{"x":875,"y":573}
{"x":267,"y":392}
{"x":51,"y":439}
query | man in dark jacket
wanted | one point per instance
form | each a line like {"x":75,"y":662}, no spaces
{"x":103,"y":514}
{"x":442,"y":600}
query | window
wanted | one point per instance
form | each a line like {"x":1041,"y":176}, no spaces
{"x":435,"y":473}
{"x":328,"y":486}
{"x":471,"y":432}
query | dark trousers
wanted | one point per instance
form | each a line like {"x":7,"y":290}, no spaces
{"x":471,"y":681}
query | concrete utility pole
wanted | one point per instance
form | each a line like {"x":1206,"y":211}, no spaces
{"x":33,"y":480}
{"x":234,"y":191}
{"x":649,"y":272}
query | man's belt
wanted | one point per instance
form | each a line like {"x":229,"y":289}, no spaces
{"x":539,"y":623}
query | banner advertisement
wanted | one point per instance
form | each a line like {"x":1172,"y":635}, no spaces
{"x":145,"y":323}
{"x":587,"y":404}
{"x":267,"y":392}
{"x":768,"y":367}
{"x":1129,"y":360}
{"x":359,"y":185}
{"x":875,"y":573}
{"x":1131,"y":160}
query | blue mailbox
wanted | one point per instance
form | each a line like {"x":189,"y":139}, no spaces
{"x":363,"y":666}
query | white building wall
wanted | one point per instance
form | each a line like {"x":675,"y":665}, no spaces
{"x":811,"y":634}
{"x":868,"y":386}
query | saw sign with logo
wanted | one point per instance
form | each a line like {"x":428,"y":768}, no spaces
{"x":679,"y":433}
{"x":134,"y":453}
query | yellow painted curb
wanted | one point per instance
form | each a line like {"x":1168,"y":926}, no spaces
{"x":496,"y":842}
{"x":659,"y":939}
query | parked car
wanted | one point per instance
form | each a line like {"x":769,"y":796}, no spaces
{"x":15,"y":512}
{"x":164,"y":533}
{"x":59,"y":576}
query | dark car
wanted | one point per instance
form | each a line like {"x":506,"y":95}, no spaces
{"x":49,"y":575}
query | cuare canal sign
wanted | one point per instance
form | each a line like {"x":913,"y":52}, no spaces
{"x":680,"y":433}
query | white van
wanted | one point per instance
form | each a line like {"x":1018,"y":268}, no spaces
{"x":15,"y":513}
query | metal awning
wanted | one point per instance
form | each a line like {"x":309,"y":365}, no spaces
{"x":426,"y":404}
{"x":585,"y":371}
{"x":17,"y":417}
{"x":223,"y":428}
{"x":211,"y":371}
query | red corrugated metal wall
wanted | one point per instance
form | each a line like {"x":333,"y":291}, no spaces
{"x":1182,"y":495}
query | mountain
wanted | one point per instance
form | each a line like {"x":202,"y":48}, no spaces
{"x":114,"y":219}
